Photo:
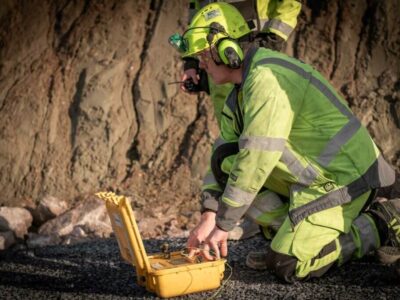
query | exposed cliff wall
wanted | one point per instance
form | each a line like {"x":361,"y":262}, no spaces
{"x":85,"y":102}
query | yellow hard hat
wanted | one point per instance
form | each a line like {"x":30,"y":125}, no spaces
{"x":212,"y":23}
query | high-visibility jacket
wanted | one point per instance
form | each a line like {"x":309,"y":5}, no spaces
{"x":277,"y":16}
{"x":284,"y":128}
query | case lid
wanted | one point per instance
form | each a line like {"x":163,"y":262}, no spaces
{"x":126,"y":230}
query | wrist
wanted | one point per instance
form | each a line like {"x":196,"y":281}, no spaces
{"x":190,"y":63}
{"x":216,"y":225}
{"x":208,"y":215}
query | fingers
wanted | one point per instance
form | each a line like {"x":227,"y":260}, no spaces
{"x":189,"y":74}
{"x":192,"y":73}
{"x":218,"y":249}
{"x":192,"y":252}
{"x":196,"y":79}
{"x":184,"y":77}
{"x":206,"y":252}
{"x":207,"y":239}
{"x":190,"y":243}
{"x":193,"y":246}
{"x":215,"y":248}
{"x":211,"y":250}
{"x":224,"y":248}
{"x":217,"y":243}
{"x":195,"y":242}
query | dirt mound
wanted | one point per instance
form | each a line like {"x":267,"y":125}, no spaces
{"x":85,"y":102}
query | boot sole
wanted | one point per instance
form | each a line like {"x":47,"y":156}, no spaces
{"x":388,"y":255}
{"x":257,"y":264}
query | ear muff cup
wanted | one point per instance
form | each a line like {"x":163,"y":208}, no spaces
{"x":230,"y":53}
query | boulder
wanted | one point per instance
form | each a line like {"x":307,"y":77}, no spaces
{"x":78,"y":235}
{"x":48,"y":208}
{"x":90,"y":215}
{"x":6,"y":239}
{"x":15,"y":219}
{"x":37,"y":240}
{"x":27,"y":203}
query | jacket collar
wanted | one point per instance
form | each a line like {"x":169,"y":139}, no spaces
{"x":247,"y":63}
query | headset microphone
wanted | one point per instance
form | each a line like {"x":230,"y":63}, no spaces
{"x":189,"y":85}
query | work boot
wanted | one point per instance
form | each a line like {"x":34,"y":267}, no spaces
{"x":388,"y":255}
{"x":246,"y":229}
{"x":388,"y":211}
{"x":257,"y":260}
{"x":397,"y":268}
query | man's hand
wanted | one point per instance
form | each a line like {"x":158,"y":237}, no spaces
{"x":217,"y":241}
{"x":189,"y":73}
{"x":199,"y":234}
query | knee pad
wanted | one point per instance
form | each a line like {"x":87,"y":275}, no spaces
{"x":285,"y":265}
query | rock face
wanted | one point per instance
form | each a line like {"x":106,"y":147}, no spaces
{"x":85,"y":103}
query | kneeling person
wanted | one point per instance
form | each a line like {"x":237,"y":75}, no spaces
{"x":285,"y":131}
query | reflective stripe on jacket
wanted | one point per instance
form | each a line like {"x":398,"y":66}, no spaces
{"x":295,"y":136}
{"x":279,"y":17}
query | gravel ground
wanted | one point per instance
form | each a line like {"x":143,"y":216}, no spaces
{"x":94,"y":270}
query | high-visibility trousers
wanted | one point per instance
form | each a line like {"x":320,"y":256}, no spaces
{"x":309,"y":249}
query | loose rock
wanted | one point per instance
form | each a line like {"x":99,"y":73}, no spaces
{"x":15,"y":219}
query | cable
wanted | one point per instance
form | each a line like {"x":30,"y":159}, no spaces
{"x":217,"y":292}
{"x":222,"y":286}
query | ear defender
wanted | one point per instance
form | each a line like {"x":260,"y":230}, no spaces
{"x":229,"y":51}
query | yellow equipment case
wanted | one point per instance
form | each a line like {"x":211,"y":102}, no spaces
{"x":167,"y":274}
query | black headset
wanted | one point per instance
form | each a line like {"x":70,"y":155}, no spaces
{"x":229,"y":51}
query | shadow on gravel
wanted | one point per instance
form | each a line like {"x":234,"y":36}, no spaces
{"x":93,"y":267}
